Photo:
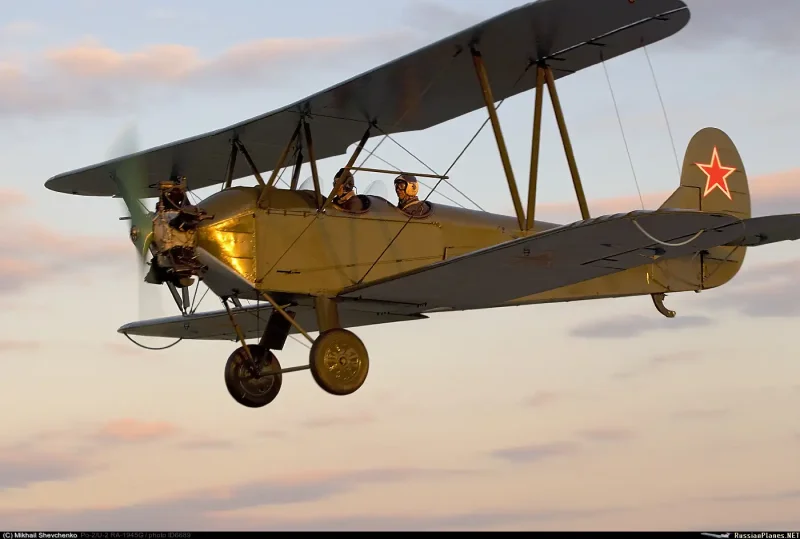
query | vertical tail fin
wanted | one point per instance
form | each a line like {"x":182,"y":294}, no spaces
{"x":713,"y":179}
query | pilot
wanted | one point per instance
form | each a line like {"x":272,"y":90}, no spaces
{"x":407,"y":188}
{"x":345,"y":196}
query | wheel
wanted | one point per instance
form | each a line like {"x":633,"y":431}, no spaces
{"x":246,"y":389}
{"x":339,"y":362}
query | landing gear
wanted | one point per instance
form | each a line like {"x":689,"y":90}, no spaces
{"x":339,"y":362}
{"x":251,"y":385}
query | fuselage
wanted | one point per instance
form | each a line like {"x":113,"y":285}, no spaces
{"x":286,"y":245}
{"x":283,"y":244}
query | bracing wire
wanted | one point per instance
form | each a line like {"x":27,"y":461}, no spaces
{"x":453,"y":164}
{"x":622,"y":130}
{"x":379,"y":158}
{"x":663,"y":109}
{"x":408,"y":109}
{"x":140,"y":345}
{"x":420,"y":161}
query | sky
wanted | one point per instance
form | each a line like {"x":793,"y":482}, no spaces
{"x":581,"y":416}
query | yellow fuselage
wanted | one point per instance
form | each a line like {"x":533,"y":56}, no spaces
{"x":285,"y":245}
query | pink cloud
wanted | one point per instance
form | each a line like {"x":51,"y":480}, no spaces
{"x":770,"y":193}
{"x":134,"y":430}
{"x":91,"y":76}
{"x":17,"y":346}
{"x":11,"y":198}
{"x":34,"y":252}
{"x":541,"y":398}
{"x":90,"y":60}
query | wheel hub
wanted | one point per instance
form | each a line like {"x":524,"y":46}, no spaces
{"x":253,"y":383}
{"x":258,"y":380}
{"x":342,"y":363}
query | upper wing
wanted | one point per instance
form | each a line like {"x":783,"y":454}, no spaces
{"x":417,"y":91}
{"x":554,"y":258}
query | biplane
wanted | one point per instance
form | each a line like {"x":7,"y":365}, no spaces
{"x":316,"y":266}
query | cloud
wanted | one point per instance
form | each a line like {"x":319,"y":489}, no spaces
{"x":11,"y":198}
{"x":77,"y":450}
{"x":7,"y":346}
{"x":630,"y":326}
{"x":19,"y":29}
{"x":206,"y":444}
{"x":162,"y":14}
{"x":536,"y":452}
{"x":206,"y":509}
{"x":337,"y":421}
{"x":541,"y":398}
{"x":35,"y":252}
{"x":472,"y":521}
{"x":33,"y":461}
{"x":660,"y":362}
{"x":90,"y":76}
{"x":765,"y":291}
{"x":764,"y":25}
{"x":775,"y":496}
{"x":124,"y":349}
{"x":134,"y":430}
{"x":441,"y":19}
{"x":20,"y":470}
{"x":701,"y":414}
{"x":585,"y":440}
{"x":271,"y":433}
{"x":607,"y":434}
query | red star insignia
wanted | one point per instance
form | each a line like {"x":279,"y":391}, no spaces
{"x":717,"y":175}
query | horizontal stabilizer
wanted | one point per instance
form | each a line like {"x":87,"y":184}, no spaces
{"x":769,"y":229}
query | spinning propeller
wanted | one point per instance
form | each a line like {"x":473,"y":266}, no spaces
{"x":132,"y":184}
{"x":131,"y":180}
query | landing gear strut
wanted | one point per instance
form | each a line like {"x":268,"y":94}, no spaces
{"x":338,"y":360}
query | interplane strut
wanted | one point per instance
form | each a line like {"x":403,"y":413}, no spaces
{"x":544,"y":75}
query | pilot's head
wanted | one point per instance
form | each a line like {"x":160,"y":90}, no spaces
{"x":345,"y":190}
{"x":406,"y":186}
